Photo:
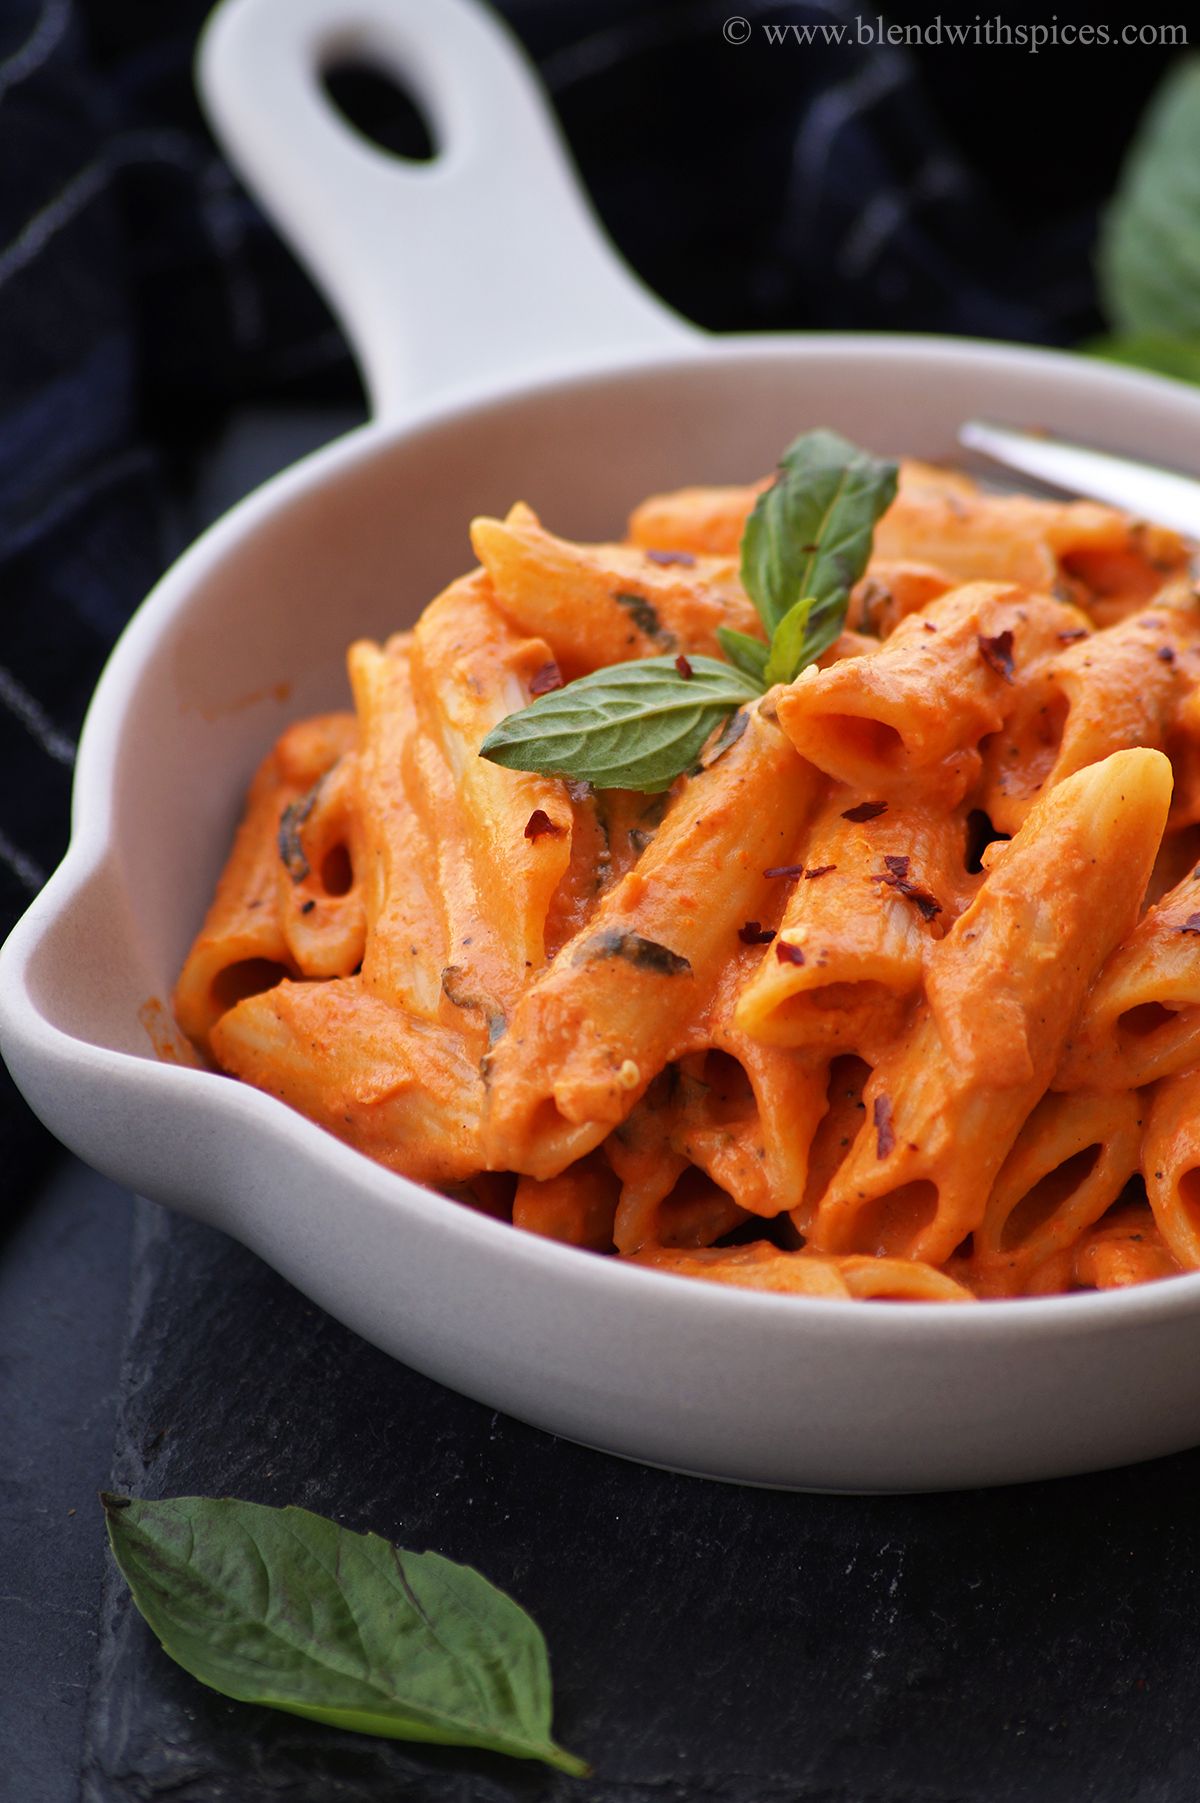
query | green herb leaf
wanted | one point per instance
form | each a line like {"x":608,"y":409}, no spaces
{"x":639,"y":725}
{"x":803,"y":633}
{"x":750,"y":655}
{"x":629,"y":726}
{"x":810,"y":532}
{"x":1178,"y":357}
{"x":1149,"y":251}
{"x":787,"y":643}
{"x":284,"y":1608}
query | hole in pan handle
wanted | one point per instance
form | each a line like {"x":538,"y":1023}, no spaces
{"x":472,"y":271}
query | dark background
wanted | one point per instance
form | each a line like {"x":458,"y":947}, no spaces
{"x":159,"y":352}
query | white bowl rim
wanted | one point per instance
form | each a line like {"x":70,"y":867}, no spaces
{"x":1062,"y":1316}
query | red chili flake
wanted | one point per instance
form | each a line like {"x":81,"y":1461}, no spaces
{"x":1071,"y":638}
{"x":810,"y":876}
{"x":683,"y":557}
{"x":543,"y":680}
{"x":866,"y":810}
{"x":885,"y":1133}
{"x":928,"y":625}
{"x":754,"y":933}
{"x":809,"y":549}
{"x":788,"y":954}
{"x":997,"y":653}
{"x":539,"y":822}
{"x":1165,"y":655}
{"x":896,"y":877}
{"x":927,"y":905}
{"x":784,"y":870}
{"x":1191,"y":924}
{"x":684,"y":668}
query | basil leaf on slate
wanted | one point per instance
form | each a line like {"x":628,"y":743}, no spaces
{"x":284,"y":1608}
{"x":629,"y":726}
{"x":1149,"y":252}
{"x":810,"y":532}
{"x":750,"y":655}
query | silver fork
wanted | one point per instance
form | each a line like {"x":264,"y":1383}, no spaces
{"x":1152,"y":493}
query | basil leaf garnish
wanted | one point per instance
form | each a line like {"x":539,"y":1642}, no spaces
{"x":284,"y":1608}
{"x":640,"y":725}
{"x":788,"y":643}
{"x":1149,"y":251}
{"x":629,"y":726}
{"x":803,"y":633}
{"x":750,"y":655}
{"x":810,"y":532}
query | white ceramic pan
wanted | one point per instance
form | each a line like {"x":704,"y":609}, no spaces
{"x":508,"y":355}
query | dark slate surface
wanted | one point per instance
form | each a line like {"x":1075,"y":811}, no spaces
{"x":64,"y":1264}
{"x":709,"y":1643}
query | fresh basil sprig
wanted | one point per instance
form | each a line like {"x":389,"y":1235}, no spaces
{"x":284,"y":1608}
{"x":629,"y":726}
{"x":808,"y":540}
{"x":639,"y":725}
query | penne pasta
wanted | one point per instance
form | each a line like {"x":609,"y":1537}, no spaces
{"x":605,"y":604}
{"x":471,"y":669}
{"x":706,"y":521}
{"x":591,"y":1032}
{"x":763,"y":1267}
{"x":880,"y":882}
{"x":1142,"y":1018}
{"x":1071,"y":1160}
{"x":405,"y":1092}
{"x":1095,"y":555}
{"x":242,"y":948}
{"x":406,"y":944}
{"x":1098,"y":693}
{"x":946,"y":1101}
{"x":912,"y":713}
{"x":318,"y":874}
{"x":577,"y":1207}
{"x":1171,"y":1165}
{"x":756,"y":1267}
{"x":1126,"y":1247}
{"x":885,"y":989}
{"x":892,"y":591}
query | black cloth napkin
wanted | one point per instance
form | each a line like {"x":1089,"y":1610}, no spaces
{"x":143,"y":296}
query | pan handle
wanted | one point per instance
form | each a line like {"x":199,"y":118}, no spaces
{"x":479,"y":268}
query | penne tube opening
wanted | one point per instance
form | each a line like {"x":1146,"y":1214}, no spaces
{"x":1171,"y":1165}
{"x":847,"y":1015}
{"x":237,"y":982}
{"x":950,"y":674}
{"x":896,"y":1223}
{"x":1071,"y":1161}
{"x":1027,"y":1220}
